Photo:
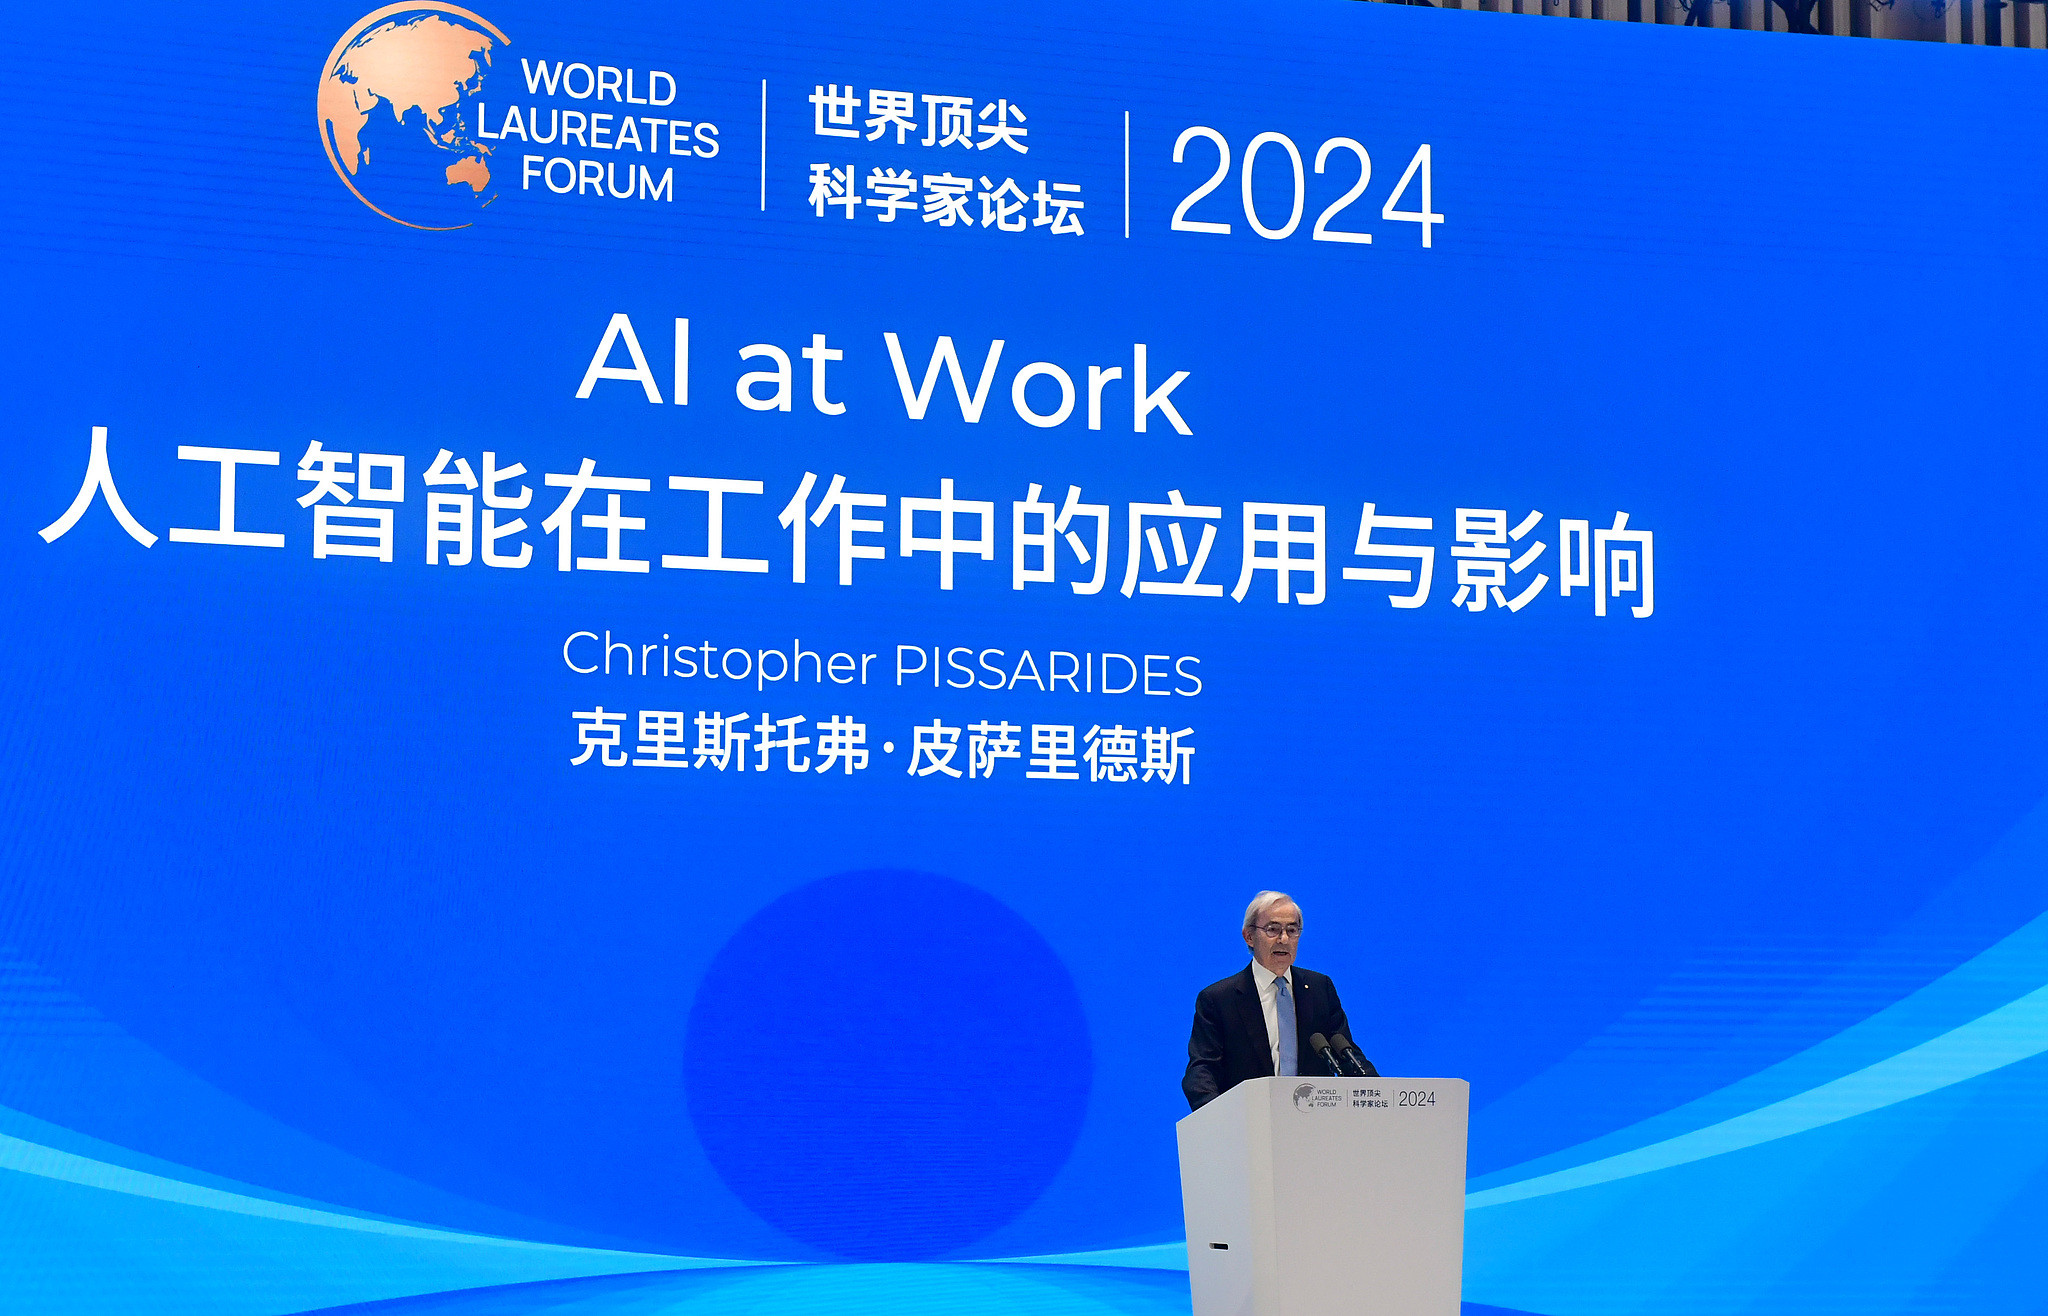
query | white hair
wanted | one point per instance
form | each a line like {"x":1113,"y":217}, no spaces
{"x":1263,"y":902}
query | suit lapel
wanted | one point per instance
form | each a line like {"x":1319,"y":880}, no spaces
{"x":1253,"y":1013}
{"x":1304,"y":1022}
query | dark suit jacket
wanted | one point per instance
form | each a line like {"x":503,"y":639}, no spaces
{"x":1229,"y":1043}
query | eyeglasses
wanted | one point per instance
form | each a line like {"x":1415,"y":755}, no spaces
{"x":1275,"y":931}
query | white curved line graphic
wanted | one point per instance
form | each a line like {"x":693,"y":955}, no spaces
{"x":50,"y":1163}
{"x":2013,"y":1032}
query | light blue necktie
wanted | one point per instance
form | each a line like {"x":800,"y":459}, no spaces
{"x":1290,"y":1064}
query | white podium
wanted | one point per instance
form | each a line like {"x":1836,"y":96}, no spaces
{"x":1326,"y":1197}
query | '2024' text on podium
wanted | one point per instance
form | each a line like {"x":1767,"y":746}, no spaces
{"x":1326,"y":1197}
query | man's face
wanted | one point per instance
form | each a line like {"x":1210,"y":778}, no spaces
{"x":1276,"y":952}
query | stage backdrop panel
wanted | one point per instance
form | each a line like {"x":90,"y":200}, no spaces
{"x":645,"y":636}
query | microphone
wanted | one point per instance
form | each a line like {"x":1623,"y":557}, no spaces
{"x":1355,"y":1056}
{"x":1321,"y":1046}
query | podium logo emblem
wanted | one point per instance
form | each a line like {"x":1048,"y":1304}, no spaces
{"x":1307,"y":1096}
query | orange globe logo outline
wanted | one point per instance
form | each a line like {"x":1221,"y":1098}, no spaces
{"x":327,"y":101}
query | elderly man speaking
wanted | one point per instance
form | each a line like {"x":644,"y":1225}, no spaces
{"x":1258,"y":1022}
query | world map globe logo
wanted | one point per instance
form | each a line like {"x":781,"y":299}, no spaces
{"x":398,"y":111}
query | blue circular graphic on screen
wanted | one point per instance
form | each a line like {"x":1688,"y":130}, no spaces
{"x":888,"y":1065}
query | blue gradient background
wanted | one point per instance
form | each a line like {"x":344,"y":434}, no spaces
{"x":324,"y":980}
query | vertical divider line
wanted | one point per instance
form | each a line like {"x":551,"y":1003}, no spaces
{"x":764,"y":143}
{"x":1127,"y":173}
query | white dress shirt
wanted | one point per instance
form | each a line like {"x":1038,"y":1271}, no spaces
{"x":1269,"y":1001}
